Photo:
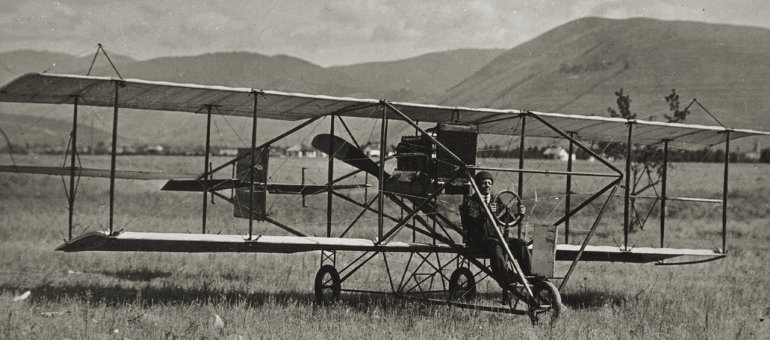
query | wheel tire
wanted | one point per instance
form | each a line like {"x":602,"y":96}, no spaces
{"x":547,"y":302}
{"x":462,"y":284}
{"x":327,"y":285}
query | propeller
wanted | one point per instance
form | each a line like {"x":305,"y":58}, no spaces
{"x":346,"y":152}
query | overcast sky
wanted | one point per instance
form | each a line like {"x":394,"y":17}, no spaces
{"x":324,"y":32}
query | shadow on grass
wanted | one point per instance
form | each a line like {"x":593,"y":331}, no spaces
{"x":117,"y":296}
{"x":588,"y":299}
{"x":136,"y":275}
{"x":146,"y":296}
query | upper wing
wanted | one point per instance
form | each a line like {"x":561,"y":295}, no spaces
{"x":167,"y":96}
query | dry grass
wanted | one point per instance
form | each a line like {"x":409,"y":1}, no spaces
{"x":150,"y":295}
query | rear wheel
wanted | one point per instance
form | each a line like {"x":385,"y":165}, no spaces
{"x":547,"y":304}
{"x":462,"y":284}
{"x":327,"y":285}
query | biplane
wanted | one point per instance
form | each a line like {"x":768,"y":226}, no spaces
{"x":409,"y":220}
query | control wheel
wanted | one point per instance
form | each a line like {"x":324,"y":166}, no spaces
{"x":509,"y":214}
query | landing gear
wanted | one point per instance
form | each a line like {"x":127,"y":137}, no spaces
{"x":327,"y":285}
{"x":462,"y":284}
{"x":547,"y":304}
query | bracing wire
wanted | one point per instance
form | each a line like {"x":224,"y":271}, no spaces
{"x":10,"y":145}
{"x":100,"y":48}
{"x":280,"y":167}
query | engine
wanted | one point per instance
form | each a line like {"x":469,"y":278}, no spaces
{"x":422,"y":167}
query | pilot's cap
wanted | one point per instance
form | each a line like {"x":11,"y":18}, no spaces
{"x":482,"y":176}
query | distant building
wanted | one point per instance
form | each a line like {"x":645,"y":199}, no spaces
{"x":755,"y":154}
{"x":373,"y":153}
{"x":153,"y":149}
{"x":300,"y":151}
{"x":227,"y":152}
{"x":294,"y":151}
{"x":557,"y":152}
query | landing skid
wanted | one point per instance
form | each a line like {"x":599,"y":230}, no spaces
{"x":443,"y":279}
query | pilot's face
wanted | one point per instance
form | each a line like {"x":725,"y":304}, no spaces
{"x":485,"y":186}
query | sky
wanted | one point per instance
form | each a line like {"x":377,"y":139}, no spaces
{"x":326,"y":33}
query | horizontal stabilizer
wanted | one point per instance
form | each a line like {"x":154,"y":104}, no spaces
{"x":201,"y":185}
{"x":89,"y":172}
{"x":278,"y":188}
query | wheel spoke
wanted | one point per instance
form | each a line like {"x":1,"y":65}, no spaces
{"x":462,"y":284}
{"x":547,"y":301}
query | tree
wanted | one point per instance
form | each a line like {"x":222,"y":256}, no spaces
{"x":677,"y":116}
{"x":624,"y":106}
{"x":646,"y":161}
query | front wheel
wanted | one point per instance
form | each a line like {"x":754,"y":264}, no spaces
{"x":547,"y":302}
{"x":462,"y":284}
{"x":327,"y":285}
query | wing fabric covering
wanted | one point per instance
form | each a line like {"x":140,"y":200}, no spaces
{"x":198,"y":243}
{"x":167,"y":96}
{"x":567,"y":252}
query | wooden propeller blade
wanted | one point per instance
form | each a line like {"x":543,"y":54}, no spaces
{"x":346,"y":152}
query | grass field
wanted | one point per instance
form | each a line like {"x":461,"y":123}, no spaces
{"x":152,"y":295}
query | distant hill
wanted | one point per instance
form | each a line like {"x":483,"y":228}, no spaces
{"x":30,"y":131}
{"x":16,"y":63}
{"x":243,"y":69}
{"x":577,"y":67}
{"x":419,"y":79}
{"x":574,"y":68}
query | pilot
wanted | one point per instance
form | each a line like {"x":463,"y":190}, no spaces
{"x":481,"y":236}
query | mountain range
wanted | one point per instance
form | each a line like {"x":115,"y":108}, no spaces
{"x":574,"y":68}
